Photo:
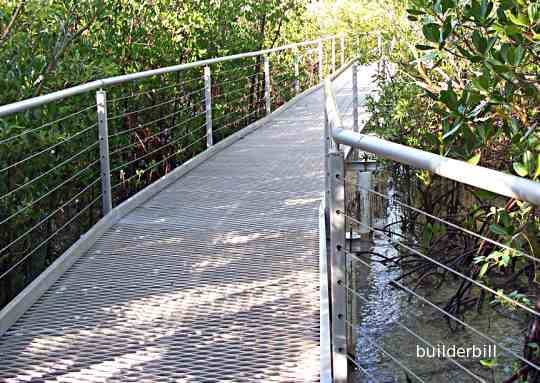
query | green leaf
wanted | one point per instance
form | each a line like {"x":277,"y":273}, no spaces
{"x":488,"y":363}
{"x":424,"y":47}
{"x":432,"y":32}
{"x":449,"y":98}
{"x":475,"y":159}
{"x":520,"y":169}
{"x":415,"y":12}
{"x":480,"y":43}
{"x":498,"y":229}
{"x":483,"y":269}
{"x":518,"y":19}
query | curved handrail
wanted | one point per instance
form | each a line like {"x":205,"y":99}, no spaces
{"x":478,"y":176}
{"x":34,"y":102}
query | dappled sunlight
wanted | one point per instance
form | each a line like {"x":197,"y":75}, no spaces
{"x":302,"y":201}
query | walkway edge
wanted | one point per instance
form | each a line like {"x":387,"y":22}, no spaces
{"x":26,"y":298}
{"x":326,"y":346}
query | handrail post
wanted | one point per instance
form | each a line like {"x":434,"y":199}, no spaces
{"x":355,"y":96}
{"x":321,"y":60}
{"x":333,"y":54}
{"x":267,"y":85}
{"x":342,"y":47}
{"x":327,"y":146}
{"x":338,"y":265}
{"x":103,"y":136}
{"x":208,"y":103}
{"x":297,"y":72}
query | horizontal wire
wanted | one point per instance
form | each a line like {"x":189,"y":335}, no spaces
{"x":49,"y":216}
{"x":149,"y":153}
{"x":88,"y":148}
{"x":230,"y":92}
{"x":9,"y":139}
{"x":365,"y":300}
{"x":114,"y":100}
{"x":454,"y":318}
{"x":181,"y":150}
{"x":51,"y":191}
{"x":396,"y":360}
{"x":233,"y":111}
{"x":234,"y":80}
{"x":133,"y":144}
{"x":479,"y":236}
{"x":4,"y":274}
{"x":117,"y":116}
{"x":140,"y":126}
{"x":240,"y":119}
{"x":362,"y":369}
{"x":48,"y":149}
{"x":219,"y":72}
{"x":481,"y":285}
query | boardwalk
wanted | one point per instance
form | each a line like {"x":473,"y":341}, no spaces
{"x":215,"y":279}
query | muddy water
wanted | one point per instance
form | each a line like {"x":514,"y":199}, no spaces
{"x":389,"y":325}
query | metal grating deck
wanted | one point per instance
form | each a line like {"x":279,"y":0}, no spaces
{"x":215,"y":279}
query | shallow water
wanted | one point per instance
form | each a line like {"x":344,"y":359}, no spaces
{"x":389,"y":324}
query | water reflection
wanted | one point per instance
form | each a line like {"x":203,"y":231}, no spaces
{"x":380,"y":313}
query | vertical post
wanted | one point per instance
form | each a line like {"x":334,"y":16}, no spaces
{"x":321,"y":60}
{"x":267,"y":85}
{"x":208,"y":103}
{"x":338,"y":266}
{"x":355,"y":96}
{"x":297,"y":72}
{"x":364,"y":183}
{"x":342,"y":49}
{"x":333,"y":54}
{"x":103,"y":136}
{"x":327,"y":146}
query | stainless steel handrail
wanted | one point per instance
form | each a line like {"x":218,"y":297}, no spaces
{"x":484,"y":178}
{"x":34,"y":102}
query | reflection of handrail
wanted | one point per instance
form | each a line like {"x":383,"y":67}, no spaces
{"x":487,"y":179}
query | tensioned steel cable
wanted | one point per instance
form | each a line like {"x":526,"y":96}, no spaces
{"x":219,"y":71}
{"x":88,"y":148}
{"x":396,"y":360}
{"x":453,"y":317}
{"x":472,"y":233}
{"x":170,"y":129}
{"x":149,"y":153}
{"x":149,"y":123}
{"x":365,"y":300}
{"x":481,"y":285}
{"x":362,"y":369}
{"x":176,"y":152}
{"x":155,"y":90}
{"x":238,"y":120}
{"x":181,"y":150}
{"x":234,"y":79}
{"x":9,"y":139}
{"x":174,"y":99}
{"x":48,"y":149}
{"x":75,"y":197}
{"x":3,"y":275}
{"x":57,"y":187}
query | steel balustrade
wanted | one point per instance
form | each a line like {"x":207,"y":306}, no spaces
{"x":339,"y":143}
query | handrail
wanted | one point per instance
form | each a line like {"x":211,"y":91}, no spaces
{"x":478,"y":176}
{"x":34,"y":102}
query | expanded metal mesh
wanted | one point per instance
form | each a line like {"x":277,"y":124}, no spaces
{"x":215,"y":279}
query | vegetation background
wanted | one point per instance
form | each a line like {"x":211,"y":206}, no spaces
{"x":465,"y":85}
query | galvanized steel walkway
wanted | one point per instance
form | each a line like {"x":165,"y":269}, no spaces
{"x":215,"y":279}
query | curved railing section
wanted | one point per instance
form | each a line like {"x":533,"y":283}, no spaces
{"x":347,"y":224}
{"x":69,"y":158}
